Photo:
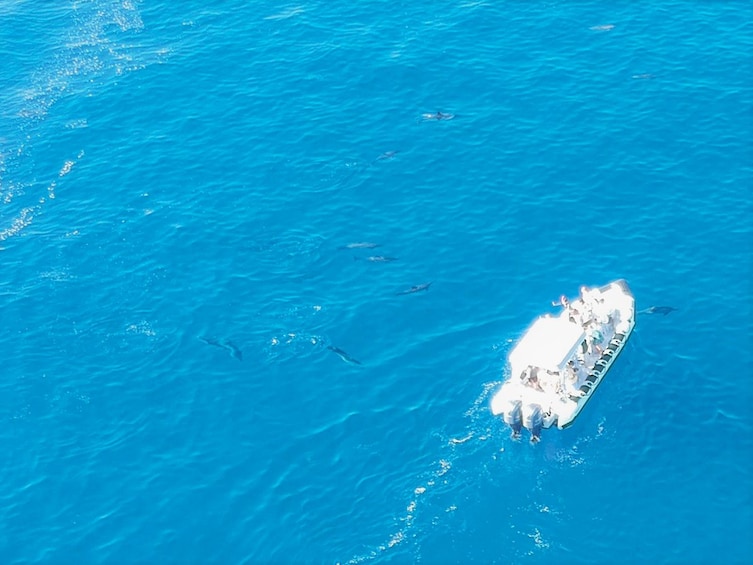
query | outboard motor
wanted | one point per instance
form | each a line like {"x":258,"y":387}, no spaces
{"x":533,"y":420}
{"x":512,"y":416}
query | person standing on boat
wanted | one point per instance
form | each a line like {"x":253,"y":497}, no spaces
{"x":586,"y":310}
{"x":594,"y":338}
{"x":570,"y":382}
{"x":531,"y":378}
{"x":586,"y":295}
{"x":572,"y":314}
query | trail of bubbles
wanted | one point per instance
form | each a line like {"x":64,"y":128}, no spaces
{"x":408,"y":519}
{"x":89,"y":49}
{"x":26,"y":215}
{"x":92,"y":48}
{"x":292,"y":336}
{"x":292,"y":343}
{"x":24,"y":218}
{"x":473,"y":438}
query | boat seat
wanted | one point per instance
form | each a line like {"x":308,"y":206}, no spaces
{"x":599,"y":369}
{"x":608,"y":352}
{"x":602,"y":362}
{"x":592,"y":379}
{"x":585,"y":388}
{"x":619,"y":337}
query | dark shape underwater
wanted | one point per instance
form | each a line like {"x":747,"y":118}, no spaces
{"x":378,"y":259}
{"x":387,"y":155}
{"x":343,"y":355}
{"x":415,"y":288}
{"x":224,"y":344}
{"x":438,"y":115}
{"x":664,"y":310}
{"x":360,"y":245}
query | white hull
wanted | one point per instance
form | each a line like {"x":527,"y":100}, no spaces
{"x":561,"y":360}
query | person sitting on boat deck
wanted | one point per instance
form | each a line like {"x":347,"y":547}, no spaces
{"x":573,"y":315}
{"x":563,"y":301}
{"x":579,"y":366}
{"x":569,"y":382}
{"x":572,"y":380}
{"x":594,"y":338}
{"x":534,"y":383}
{"x":571,"y":372}
{"x":613,"y":317}
{"x":550,"y":382}
{"x":531,"y":378}
{"x":525,"y":376}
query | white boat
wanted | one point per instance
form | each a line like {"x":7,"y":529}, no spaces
{"x":560,"y":361}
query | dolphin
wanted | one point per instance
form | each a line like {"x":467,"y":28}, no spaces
{"x":658,"y":310}
{"x":360,"y":245}
{"x":415,"y":288}
{"x":234,"y":350}
{"x":387,"y":155}
{"x":224,"y":344}
{"x":377,"y":259}
{"x":343,"y":355}
{"x":438,"y":116}
{"x":380,"y":259}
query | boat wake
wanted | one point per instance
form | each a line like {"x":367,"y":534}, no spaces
{"x":407,"y":520}
{"x":437,"y":481}
{"x":484,"y":451}
{"x":91,"y":49}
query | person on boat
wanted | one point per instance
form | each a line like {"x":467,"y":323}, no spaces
{"x":570,"y":383}
{"x":572,"y":314}
{"x":578,"y":366}
{"x":552,"y":383}
{"x":594,"y":339}
{"x":571,"y":373}
{"x":605,"y":318}
{"x":531,"y":378}
{"x":587,"y":301}
{"x":525,"y":375}
{"x":587,"y":316}
{"x":586,"y":295}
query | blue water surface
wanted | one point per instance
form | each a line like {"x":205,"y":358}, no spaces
{"x":179,"y":184}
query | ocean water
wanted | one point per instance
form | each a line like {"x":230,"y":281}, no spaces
{"x":172,"y":171}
